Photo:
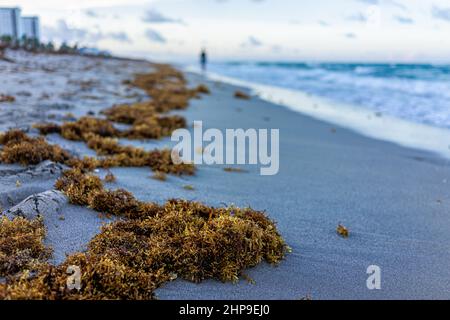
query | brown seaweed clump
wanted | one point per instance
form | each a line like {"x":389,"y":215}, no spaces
{"x":130,"y":258}
{"x":110,"y":177}
{"x":88,"y":190}
{"x":77,"y":130}
{"x":202,"y":88}
{"x":167,"y":87}
{"x":102,"y":279}
{"x":128,"y":156}
{"x":342,"y":231}
{"x":155,"y":243}
{"x":78,"y":186}
{"x":233,"y":169}
{"x":143,"y":126}
{"x":20,"y":148}
{"x":128,"y":114}
{"x":160,"y":176}
{"x":47,"y":128}
{"x":6,"y":98}
{"x":116,"y":155}
{"x":154,"y":127}
{"x":241,"y":95}
{"x":21,"y":246}
{"x":185,"y":241}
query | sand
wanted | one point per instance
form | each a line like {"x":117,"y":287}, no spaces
{"x":394,"y":200}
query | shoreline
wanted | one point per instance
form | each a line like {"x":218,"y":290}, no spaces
{"x":391,"y":198}
{"x":361,"y":120}
{"x":385,"y":194}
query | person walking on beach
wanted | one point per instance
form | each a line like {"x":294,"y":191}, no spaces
{"x":203,"y":59}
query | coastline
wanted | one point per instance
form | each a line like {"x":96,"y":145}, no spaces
{"x":385,"y":194}
{"x":391,"y":198}
{"x":361,"y":120}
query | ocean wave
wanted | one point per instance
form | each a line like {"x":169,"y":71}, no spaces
{"x":365,"y":121}
{"x":418,"y":93}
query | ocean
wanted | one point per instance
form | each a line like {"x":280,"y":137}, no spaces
{"x":408,"y":104}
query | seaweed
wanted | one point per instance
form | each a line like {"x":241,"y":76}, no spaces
{"x":118,"y":202}
{"x":26,"y":150}
{"x":167,"y":87}
{"x":231,"y":169}
{"x":159,"y":175}
{"x":241,"y":95}
{"x":20,"y":148}
{"x":151,"y":243}
{"x":342,"y":231}
{"x":109,"y":177}
{"x":21,"y":245}
{"x":154,"y":127}
{"x":203,"y":89}
{"x":47,"y":128}
{"x":78,"y":186}
{"x":77,"y":130}
{"x":117,"y":155}
{"x":7,"y":98}
{"x":130,"y":258}
{"x":14,"y":136}
{"x":128,"y":114}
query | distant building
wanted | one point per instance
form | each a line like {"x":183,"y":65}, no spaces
{"x":30,"y":27}
{"x":10,"y":24}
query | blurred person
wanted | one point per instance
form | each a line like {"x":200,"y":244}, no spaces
{"x":203,"y":59}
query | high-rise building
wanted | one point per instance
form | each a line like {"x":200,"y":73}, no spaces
{"x":10,"y":24}
{"x":30,"y":27}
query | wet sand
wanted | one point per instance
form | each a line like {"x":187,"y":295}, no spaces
{"x":394,"y":200}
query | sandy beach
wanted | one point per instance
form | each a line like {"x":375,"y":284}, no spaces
{"x":393,"y":200}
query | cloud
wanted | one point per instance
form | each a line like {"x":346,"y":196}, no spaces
{"x":155,"y":36}
{"x":223,"y":1}
{"x":387,"y":2}
{"x":350,"y":35}
{"x":64,"y":33}
{"x":276,"y":48}
{"x":155,"y":17}
{"x":396,"y":4}
{"x":358,"y":17}
{"x":441,"y":13}
{"x":372,"y":2}
{"x":91,"y":13}
{"x":119,"y":36}
{"x":252,"y":42}
{"x":404,"y":20}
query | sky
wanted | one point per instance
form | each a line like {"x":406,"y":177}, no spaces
{"x":263,"y":30}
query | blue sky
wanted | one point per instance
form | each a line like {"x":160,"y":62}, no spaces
{"x":319,"y":30}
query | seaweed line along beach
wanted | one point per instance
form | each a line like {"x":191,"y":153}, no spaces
{"x":393,"y":200}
